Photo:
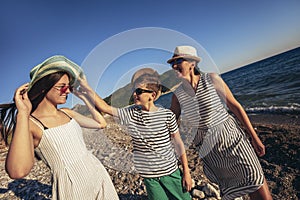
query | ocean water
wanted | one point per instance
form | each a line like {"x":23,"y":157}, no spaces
{"x":271,"y":85}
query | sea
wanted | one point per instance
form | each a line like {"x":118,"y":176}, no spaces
{"x":269,"y":86}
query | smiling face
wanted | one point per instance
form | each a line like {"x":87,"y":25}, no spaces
{"x":183,"y":67}
{"x":143,"y":95}
{"x":146,"y":87}
{"x":59,"y":92}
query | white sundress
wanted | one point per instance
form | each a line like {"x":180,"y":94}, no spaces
{"x":76,"y":172}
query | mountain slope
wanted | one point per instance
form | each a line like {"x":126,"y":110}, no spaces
{"x":122,"y":97}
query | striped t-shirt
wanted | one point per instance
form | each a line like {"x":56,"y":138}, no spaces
{"x":154,"y":155}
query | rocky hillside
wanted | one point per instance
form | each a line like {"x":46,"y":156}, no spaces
{"x":122,"y":97}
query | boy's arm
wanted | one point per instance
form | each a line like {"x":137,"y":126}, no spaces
{"x":99,"y":103}
{"x":180,"y":150}
{"x":175,"y":106}
{"x":97,"y":120}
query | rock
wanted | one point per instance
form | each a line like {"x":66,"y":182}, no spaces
{"x":198,"y":194}
{"x":211,"y":191}
{"x":193,"y":183}
{"x":239,"y":198}
{"x":280,"y":165}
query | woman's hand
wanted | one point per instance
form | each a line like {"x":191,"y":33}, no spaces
{"x":83,"y":83}
{"x":258,"y":146}
{"x":21,"y":99}
{"x":80,"y":91}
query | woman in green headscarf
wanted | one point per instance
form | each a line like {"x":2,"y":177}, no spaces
{"x":55,"y":134}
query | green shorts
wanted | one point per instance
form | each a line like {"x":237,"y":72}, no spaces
{"x":167,"y":187}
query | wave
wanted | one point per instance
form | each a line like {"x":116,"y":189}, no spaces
{"x":292,"y":109}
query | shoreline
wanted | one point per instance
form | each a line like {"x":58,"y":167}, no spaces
{"x":275,"y":119}
{"x":281,"y":165}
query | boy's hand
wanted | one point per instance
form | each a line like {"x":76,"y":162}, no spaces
{"x":187,"y":181}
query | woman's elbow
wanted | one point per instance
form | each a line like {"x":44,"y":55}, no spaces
{"x":17,"y":174}
{"x":234,"y":106}
{"x":18,"y":171}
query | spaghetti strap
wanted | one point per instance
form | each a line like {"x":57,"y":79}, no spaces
{"x":41,"y":125}
{"x":63,"y":147}
{"x":38,"y":122}
{"x":65,"y":113}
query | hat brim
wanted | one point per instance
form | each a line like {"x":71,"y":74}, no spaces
{"x":197,"y":59}
{"x":54,"y":64}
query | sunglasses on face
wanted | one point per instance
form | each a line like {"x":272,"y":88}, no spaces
{"x":177,"y":61}
{"x":140,"y":91}
{"x":63,"y":89}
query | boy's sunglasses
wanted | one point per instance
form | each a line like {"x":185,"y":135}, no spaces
{"x":64,"y":88}
{"x":177,"y":61}
{"x":140,"y":91}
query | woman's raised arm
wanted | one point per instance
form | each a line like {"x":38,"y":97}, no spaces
{"x":20,"y":157}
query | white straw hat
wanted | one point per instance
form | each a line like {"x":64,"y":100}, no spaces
{"x":187,"y":52}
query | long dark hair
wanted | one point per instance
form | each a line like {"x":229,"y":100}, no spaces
{"x":36,"y":94}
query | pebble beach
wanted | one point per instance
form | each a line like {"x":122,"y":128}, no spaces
{"x":281,"y":164}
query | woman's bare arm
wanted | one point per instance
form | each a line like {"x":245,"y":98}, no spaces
{"x":20,"y":157}
{"x":225,"y":93}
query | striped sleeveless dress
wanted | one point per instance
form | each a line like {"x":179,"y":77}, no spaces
{"x":76,"y":172}
{"x":228,"y":157}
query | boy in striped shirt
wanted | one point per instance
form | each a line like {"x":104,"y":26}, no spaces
{"x":152,"y":128}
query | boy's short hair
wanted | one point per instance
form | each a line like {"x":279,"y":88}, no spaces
{"x":150,"y":78}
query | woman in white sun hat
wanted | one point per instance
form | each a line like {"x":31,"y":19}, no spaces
{"x":229,"y":159}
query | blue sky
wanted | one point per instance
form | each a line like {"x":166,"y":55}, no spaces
{"x":231,"y":33}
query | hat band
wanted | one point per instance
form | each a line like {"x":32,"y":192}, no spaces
{"x":176,"y":55}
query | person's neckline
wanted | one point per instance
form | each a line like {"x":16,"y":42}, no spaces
{"x":155,"y":109}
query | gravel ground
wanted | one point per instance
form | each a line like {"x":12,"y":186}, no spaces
{"x":111,"y":146}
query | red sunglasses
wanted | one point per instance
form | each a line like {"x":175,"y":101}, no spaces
{"x":64,"y":88}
